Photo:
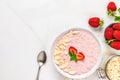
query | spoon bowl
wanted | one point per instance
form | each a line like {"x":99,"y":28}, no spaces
{"x":41,"y":58}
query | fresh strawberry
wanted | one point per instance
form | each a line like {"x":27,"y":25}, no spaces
{"x":115,"y":45}
{"x":108,"y":33}
{"x":80,"y":56}
{"x":73,"y":50}
{"x":116,"y":26}
{"x":111,"y":8}
{"x":95,"y":22}
{"x":116,"y":34}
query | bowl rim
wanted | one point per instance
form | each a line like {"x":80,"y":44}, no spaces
{"x":95,"y":67}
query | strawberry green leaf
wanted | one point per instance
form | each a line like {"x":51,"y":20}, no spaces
{"x":117,"y":18}
{"x":119,"y":10}
{"x":111,"y":13}
{"x":73,"y":56}
{"x":101,"y":22}
{"x":109,"y":41}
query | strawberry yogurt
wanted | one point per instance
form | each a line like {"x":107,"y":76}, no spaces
{"x":84,"y":42}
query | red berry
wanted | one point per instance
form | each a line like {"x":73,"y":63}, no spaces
{"x":80,"y":56}
{"x":116,"y":34}
{"x":115,"y":45}
{"x":108,"y":33}
{"x":94,"y":22}
{"x":111,"y":6}
{"x":73,"y":50}
{"x":116,"y":26}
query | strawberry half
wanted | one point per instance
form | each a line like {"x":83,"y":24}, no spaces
{"x":108,"y":33}
{"x":116,"y":26}
{"x":116,"y":34}
{"x":111,"y":8}
{"x":95,"y":22}
{"x":115,"y":45}
{"x":73,"y":50}
{"x":80,"y":56}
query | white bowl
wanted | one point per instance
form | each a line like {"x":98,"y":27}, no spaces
{"x":85,"y":74}
{"x":112,"y":50}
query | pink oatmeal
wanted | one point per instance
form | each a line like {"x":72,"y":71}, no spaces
{"x":84,"y":42}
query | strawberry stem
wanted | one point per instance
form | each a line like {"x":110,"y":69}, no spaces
{"x":109,"y":41}
{"x":111,"y":13}
{"x":119,"y":10}
{"x":101,"y":22}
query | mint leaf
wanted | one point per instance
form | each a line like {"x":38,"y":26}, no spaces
{"x":73,"y":56}
{"x":70,"y":54}
{"x":119,"y":10}
{"x":117,"y":18}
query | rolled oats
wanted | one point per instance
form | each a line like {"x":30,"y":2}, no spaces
{"x":113,"y":68}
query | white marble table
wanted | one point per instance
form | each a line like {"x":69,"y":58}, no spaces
{"x":28,"y":26}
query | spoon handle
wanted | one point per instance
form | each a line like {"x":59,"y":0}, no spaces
{"x":37,"y":78}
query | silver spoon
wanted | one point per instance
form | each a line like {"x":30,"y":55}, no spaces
{"x":41,"y":59}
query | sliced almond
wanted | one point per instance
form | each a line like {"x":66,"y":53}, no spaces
{"x":58,"y":52}
{"x":67,"y":35}
{"x":64,"y":44}
{"x":61,"y":42}
{"x":62,"y":61}
{"x":66,"y":70}
{"x":64,"y":65}
{"x":72,"y":72}
{"x":57,"y":62}
{"x":67,"y":40}
{"x":61,"y":46}
{"x":56,"y":57}
{"x":75,"y":32}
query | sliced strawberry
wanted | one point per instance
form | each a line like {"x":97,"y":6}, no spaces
{"x":115,"y":45}
{"x":80,"y":56}
{"x":108,"y":33}
{"x":116,"y":34}
{"x":116,"y":26}
{"x":73,"y":50}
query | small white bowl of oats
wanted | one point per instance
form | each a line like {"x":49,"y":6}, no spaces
{"x":112,"y":68}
